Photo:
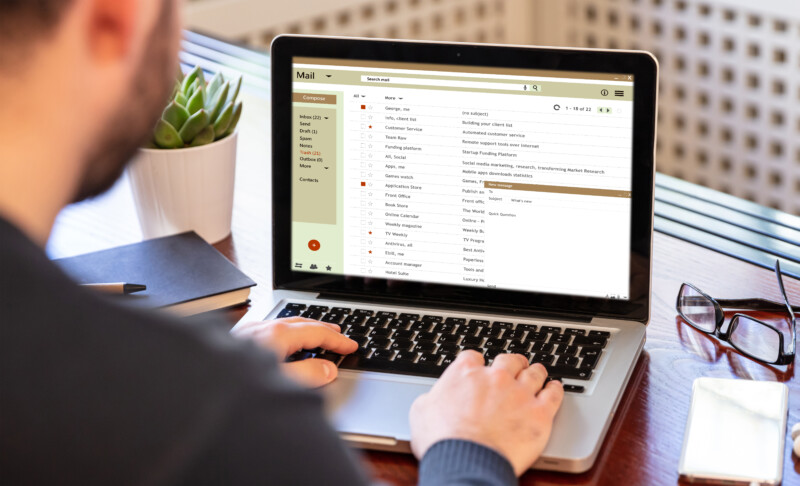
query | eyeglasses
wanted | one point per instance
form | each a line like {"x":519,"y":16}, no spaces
{"x":750,"y":336}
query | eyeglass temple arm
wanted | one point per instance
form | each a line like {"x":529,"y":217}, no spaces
{"x":755,"y":304}
{"x":789,"y":308}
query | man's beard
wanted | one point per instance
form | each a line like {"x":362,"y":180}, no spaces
{"x":133,"y":120}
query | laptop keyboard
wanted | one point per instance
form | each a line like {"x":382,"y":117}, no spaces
{"x":424,"y":345}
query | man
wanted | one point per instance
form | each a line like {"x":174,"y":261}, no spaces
{"x":93,"y":393}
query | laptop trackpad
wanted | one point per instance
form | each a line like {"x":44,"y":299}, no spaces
{"x":374,"y":404}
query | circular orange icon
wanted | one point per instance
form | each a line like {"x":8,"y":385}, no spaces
{"x":313,"y":245}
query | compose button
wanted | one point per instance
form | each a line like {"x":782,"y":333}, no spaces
{"x":325,"y":99}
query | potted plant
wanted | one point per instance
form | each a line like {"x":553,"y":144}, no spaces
{"x":183,"y":180}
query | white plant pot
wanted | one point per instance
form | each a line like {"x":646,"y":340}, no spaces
{"x":185,"y":189}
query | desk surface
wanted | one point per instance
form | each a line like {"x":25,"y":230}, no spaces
{"x":644,"y":441}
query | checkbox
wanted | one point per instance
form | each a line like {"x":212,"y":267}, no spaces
{"x":363,"y":242}
{"x":363,"y":164}
{"x":363,"y":203}
{"x":363,"y":213}
{"x":363,"y":126}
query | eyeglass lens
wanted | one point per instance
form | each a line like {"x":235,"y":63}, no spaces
{"x":697,"y":309}
{"x":754,"y":338}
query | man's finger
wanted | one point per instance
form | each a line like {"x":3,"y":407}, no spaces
{"x":312,"y":372}
{"x":551,"y":396}
{"x":513,"y":363}
{"x":466,"y":359}
{"x":534,"y":377}
{"x":315,"y":335}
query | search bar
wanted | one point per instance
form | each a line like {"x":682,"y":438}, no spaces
{"x":400,"y":80}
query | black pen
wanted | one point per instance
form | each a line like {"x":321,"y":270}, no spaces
{"x":116,"y":287}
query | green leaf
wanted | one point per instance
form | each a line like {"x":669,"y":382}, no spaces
{"x":195,"y":103}
{"x":204,"y":137}
{"x":175,"y":115}
{"x":214,"y":84}
{"x":166,"y":136}
{"x":194,"y":125}
{"x":237,"y":112}
{"x":236,"y":90}
{"x":180,"y":98}
{"x":190,"y":79}
{"x":215,"y":106}
{"x":224,"y":120}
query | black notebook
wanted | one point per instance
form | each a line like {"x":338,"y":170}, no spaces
{"x":182,"y":273}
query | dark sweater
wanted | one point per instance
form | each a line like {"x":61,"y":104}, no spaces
{"x":92,"y":392}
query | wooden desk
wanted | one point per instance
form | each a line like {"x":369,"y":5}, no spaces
{"x":644,"y":442}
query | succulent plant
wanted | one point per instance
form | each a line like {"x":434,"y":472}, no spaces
{"x":198,"y":112}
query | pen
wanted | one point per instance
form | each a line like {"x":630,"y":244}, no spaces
{"x":116,"y":287}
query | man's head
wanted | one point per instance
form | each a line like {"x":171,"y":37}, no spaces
{"x":82,"y":83}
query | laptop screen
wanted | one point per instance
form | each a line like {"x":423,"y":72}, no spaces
{"x":502,"y":178}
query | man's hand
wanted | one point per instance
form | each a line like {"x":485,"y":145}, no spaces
{"x":291,"y":334}
{"x":503,"y":407}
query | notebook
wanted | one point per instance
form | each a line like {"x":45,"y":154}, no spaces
{"x":183,"y":274}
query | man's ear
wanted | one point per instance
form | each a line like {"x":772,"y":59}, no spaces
{"x":112,"y":27}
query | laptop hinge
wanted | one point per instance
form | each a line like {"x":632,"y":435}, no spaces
{"x":458,"y":306}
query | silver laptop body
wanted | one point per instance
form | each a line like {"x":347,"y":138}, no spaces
{"x":370,"y":409}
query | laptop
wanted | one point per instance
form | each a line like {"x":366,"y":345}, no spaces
{"x":436,"y":197}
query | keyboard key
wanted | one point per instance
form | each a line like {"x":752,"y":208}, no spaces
{"x":447,"y":360}
{"x":570,"y":361}
{"x":514,"y":334}
{"x":517,"y":347}
{"x":299,"y":355}
{"x":332,"y":318}
{"x":427,"y":336}
{"x":409,"y":356}
{"x":536,"y":336}
{"x":357,"y":331}
{"x":386,"y":314}
{"x":449,"y":339}
{"x":468,"y":329}
{"x":567,"y":372}
{"x":491,"y":331}
{"x":361,"y":340}
{"x":318,"y":308}
{"x":444,"y":328}
{"x":472,"y":341}
{"x":604,"y":334}
{"x":402,"y":344}
{"x":432,"y":318}
{"x":559,"y":338}
{"x":341,"y":310}
{"x":492,"y":353}
{"x":566,"y":350}
{"x":410,"y":317}
{"x":590,"y":352}
{"x":472,"y":348}
{"x":393,"y":366}
{"x":293,"y":306}
{"x":590,"y":341}
{"x":427,"y":347}
{"x":288,"y":313}
{"x":394,"y":323}
{"x":403,"y":334}
{"x":456,"y":321}
{"x":421,"y":326}
{"x":355,"y":319}
{"x":478,"y":322}
{"x":380,"y":332}
{"x":363,"y":312}
{"x":382,"y":354}
{"x":590,"y":361}
{"x":309,"y":314}
{"x":504,"y":325}
{"x":540,"y":347}
{"x":526,"y":327}
{"x":378,"y":342}
{"x":551,"y":329}
{"x":575,"y":332}
{"x":495,"y":343}
{"x":574,"y":388}
{"x":543,"y":358}
{"x":428,"y":359}
{"x":449,"y":349}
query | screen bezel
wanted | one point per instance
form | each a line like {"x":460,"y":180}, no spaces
{"x":641,"y":65}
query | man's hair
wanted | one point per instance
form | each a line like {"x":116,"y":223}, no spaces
{"x":23,"y":23}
